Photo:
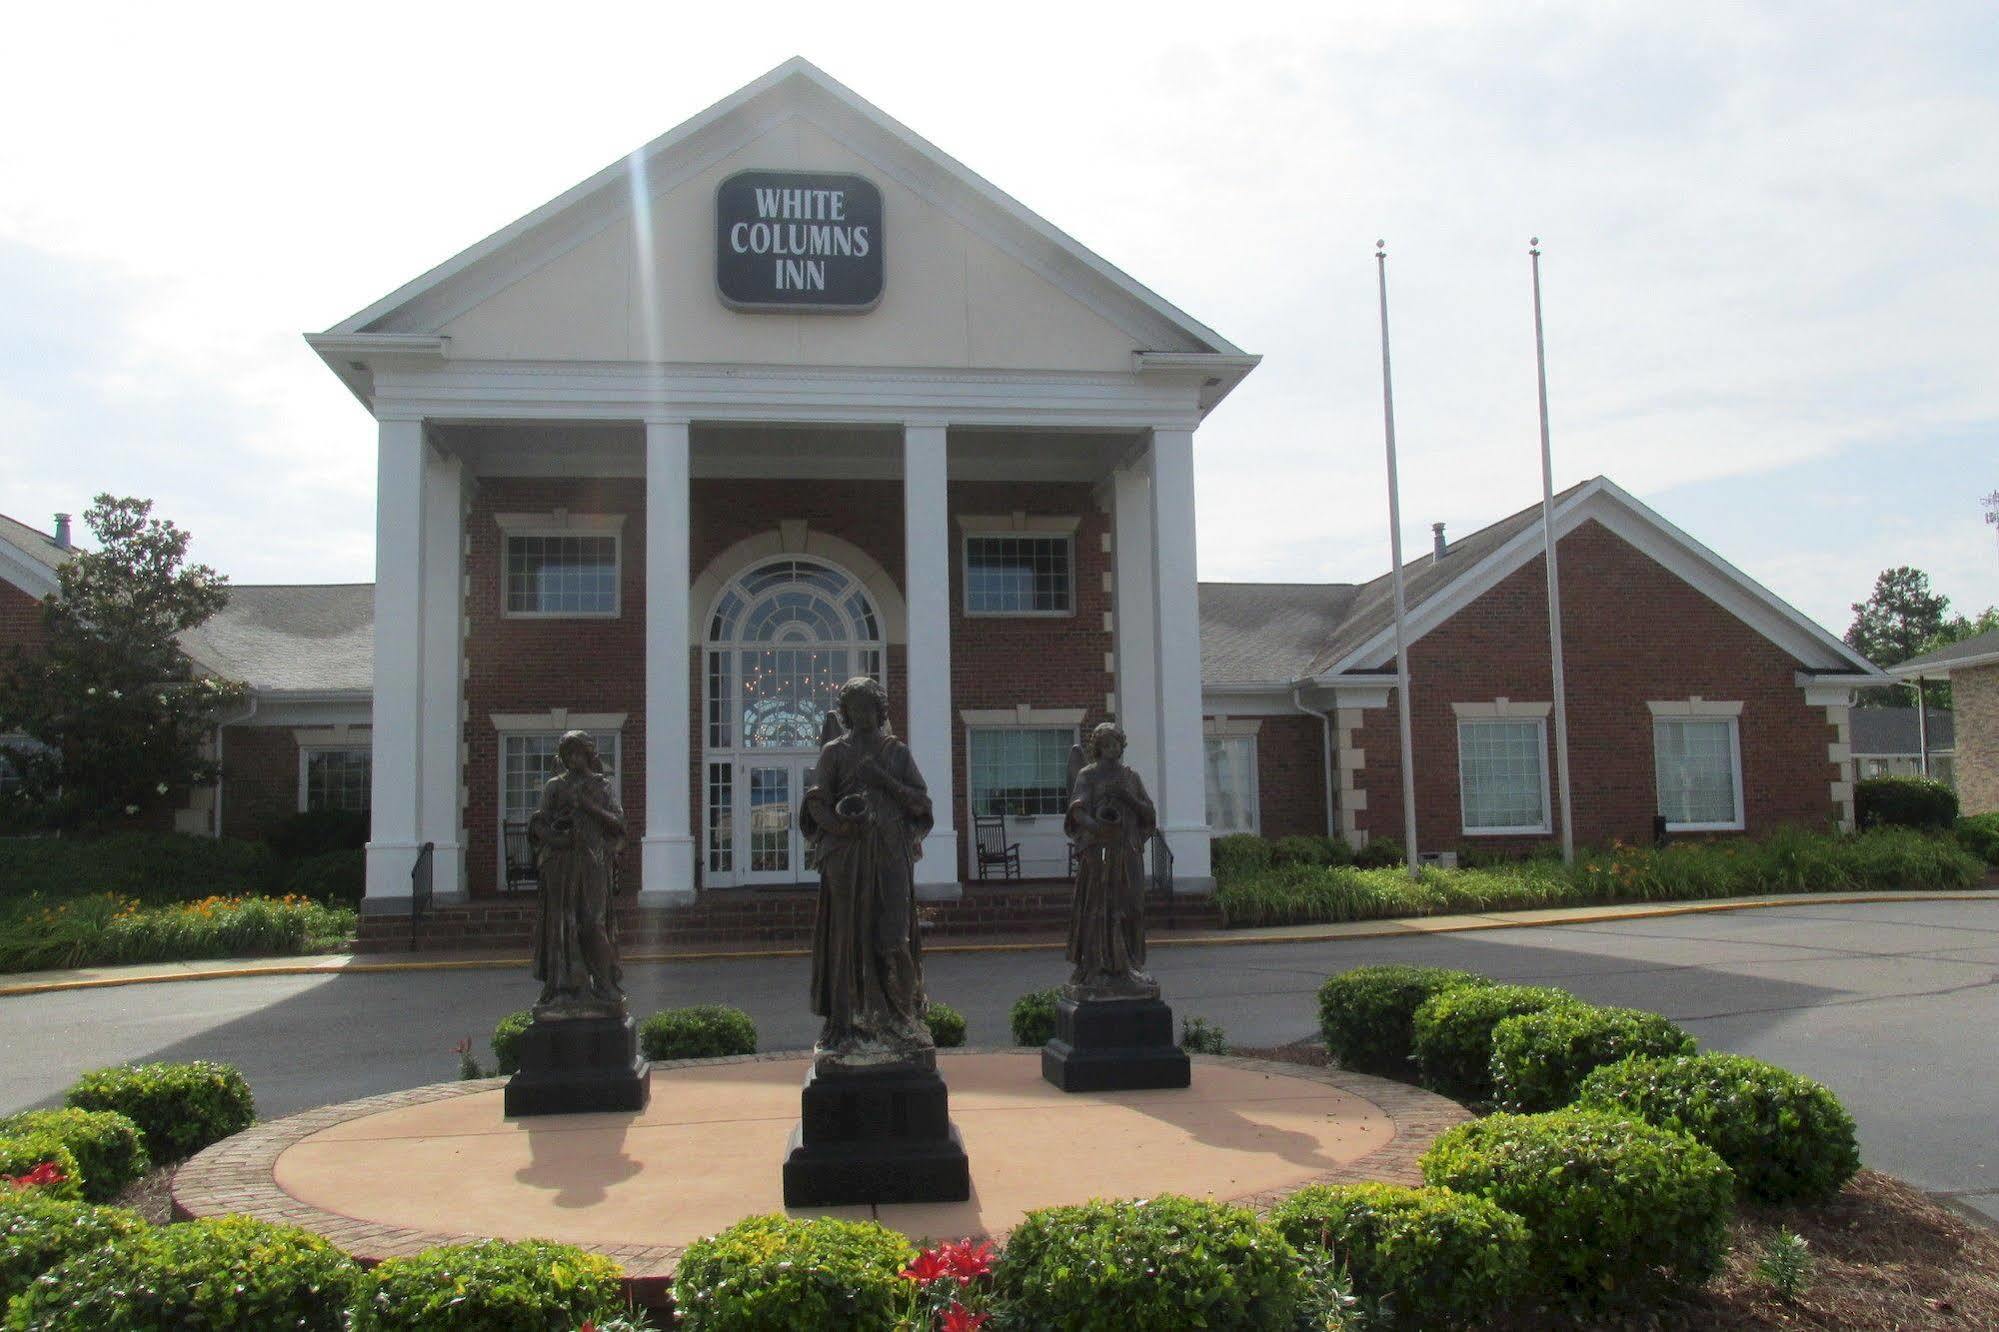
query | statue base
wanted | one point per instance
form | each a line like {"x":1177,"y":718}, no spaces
{"x":875,"y":1135}
{"x":573,"y":1066}
{"x":1114,"y":1045}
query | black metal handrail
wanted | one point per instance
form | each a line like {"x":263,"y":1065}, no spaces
{"x":421,"y":889}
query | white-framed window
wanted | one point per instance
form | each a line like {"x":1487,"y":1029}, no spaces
{"x":1230,"y":760}
{"x":1019,"y":771}
{"x":527,"y":761}
{"x":1020,"y":573}
{"x":1503,"y":775}
{"x":561,"y":574}
{"x":1697,"y":760}
{"x":334,"y":777}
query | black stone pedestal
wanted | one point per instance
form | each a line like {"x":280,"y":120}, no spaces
{"x":875,"y":1136}
{"x":1114,"y":1045}
{"x":575,"y":1066}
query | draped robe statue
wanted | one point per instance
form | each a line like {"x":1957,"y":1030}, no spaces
{"x":866,"y":814}
{"x":1110,"y":820}
{"x":575,"y":832}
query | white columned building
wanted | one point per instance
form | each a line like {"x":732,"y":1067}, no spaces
{"x":784,"y":397}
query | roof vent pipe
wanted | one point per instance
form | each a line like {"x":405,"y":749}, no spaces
{"x":62,"y":531}
{"x":1437,"y":536}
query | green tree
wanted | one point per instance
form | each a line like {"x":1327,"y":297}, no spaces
{"x":1899,"y":618}
{"x":117,"y":713}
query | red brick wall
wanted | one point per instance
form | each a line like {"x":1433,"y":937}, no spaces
{"x":525,"y":666}
{"x":20,"y":618}
{"x":1632,"y":632}
{"x":259,"y":780}
{"x":1290,"y":776}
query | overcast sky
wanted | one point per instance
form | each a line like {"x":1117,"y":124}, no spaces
{"x":1771,"y":233}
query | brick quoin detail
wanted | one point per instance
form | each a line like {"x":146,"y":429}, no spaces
{"x":1633,"y":632}
{"x":1975,"y":696}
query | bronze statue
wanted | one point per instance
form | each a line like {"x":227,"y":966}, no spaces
{"x":1110,"y":820}
{"x":866,"y":814}
{"x":575,"y":832}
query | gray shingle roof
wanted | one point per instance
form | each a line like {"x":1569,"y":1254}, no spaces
{"x":1263,"y":633}
{"x":317,"y":637}
{"x":1978,"y":645}
{"x":1893,"y":730}
{"x":36,"y":545}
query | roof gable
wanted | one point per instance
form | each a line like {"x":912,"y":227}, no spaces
{"x":29,"y":558}
{"x":640,"y":233}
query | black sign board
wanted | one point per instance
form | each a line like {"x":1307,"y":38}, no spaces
{"x":798,"y":241}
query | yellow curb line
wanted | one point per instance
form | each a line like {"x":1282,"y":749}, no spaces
{"x":1392,"y":927}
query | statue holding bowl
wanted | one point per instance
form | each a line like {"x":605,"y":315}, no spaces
{"x":1110,"y":820}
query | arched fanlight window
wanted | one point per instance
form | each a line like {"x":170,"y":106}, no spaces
{"x":783,"y":637}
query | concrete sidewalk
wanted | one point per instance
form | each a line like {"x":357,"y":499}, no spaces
{"x":154,"y":973}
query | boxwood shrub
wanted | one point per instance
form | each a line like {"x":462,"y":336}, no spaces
{"x":1365,"y":1014}
{"x":1616,"y":1209}
{"x":1539,"y":1060}
{"x":338,"y":878}
{"x":705,"y":1031}
{"x":1160,"y":1265}
{"x":1788,"y":1138}
{"x":226,"y":1272}
{"x":1310,"y":850}
{"x":38,"y":1231}
{"x":1451,"y":1033}
{"x":1904,"y":802}
{"x":1236,"y":856}
{"x":20,"y":1153}
{"x":1979,"y":834}
{"x":777,"y":1272}
{"x":506,"y":1040}
{"x":1441,"y":1259}
{"x":109,"y":1149}
{"x":1033,"y":1016}
{"x":947,"y":1024}
{"x":181,"y":1108}
{"x":155,"y":868}
{"x":519,"y":1285}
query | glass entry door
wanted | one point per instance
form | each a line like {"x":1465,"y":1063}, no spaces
{"x":767,"y":792}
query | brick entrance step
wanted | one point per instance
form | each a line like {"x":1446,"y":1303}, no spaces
{"x":762,"y":917}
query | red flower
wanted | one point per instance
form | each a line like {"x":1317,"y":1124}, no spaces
{"x":960,"y":1319}
{"x":969,"y":1260}
{"x":46,"y":1175}
{"x":930,"y":1265}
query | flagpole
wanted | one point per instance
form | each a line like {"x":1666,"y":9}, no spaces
{"x":1395,"y":562}
{"x":1554,"y":575}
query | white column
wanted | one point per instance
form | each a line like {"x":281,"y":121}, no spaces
{"x":1134,"y":618}
{"x":398,"y":702}
{"x":1183,"y":814}
{"x":926,"y":520}
{"x":667,"y":854}
{"x":440,"y":800}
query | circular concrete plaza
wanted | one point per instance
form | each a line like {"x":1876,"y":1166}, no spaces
{"x":394,"y":1174}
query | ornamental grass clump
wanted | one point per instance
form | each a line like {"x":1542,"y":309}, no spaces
{"x":519,"y":1285}
{"x":101,"y":929}
{"x":38,"y":1231}
{"x":180,"y":1108}
{"x":1157,"y":1265}
{"x":1788,"y":1139}
{"x":109,"y":1149}
{"x":1451,"y":1033}
{"x":778,"y":1272}
{"x":947,"y":1025}
{"x":1979,"y":835}
{"x":1539,"y":1060}
{"x":1434,"y":1258}
{"x":1616,"y":1210}
{"x":1365,"y":1014}
{"x":225,"y":1272}
{"x":704,"y":1031}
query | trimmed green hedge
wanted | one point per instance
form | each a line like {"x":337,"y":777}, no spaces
{"x":181,"y":1108}
{"x":1442,"y":1259}
{"x":947,"y":1025}
{"x":506,"y":1041}
{"x":1451,"y":1033}
{"x":1033,"y":1017}
{"x":1539,"y":1060}
{"x":20,"y":1153}
{"x":229,"y":1272}
{"x":1616,"y":1209}
{"x":1236,"y":857}
{"x":1979,"y":834}
{"x":517,"y":1285}
{"x":703,"y":1031}
{"x":1160,"y":1265}
{"x":1788,"y":1138}
{"x":38,"y":1231}
{"x":1904,"y":802}
{"x":1366,"y":1014}
{"x":1309,"y":850}
{"x":110,"y":1150}
{"x":769,"y":1272}
{"x":154,"y":868}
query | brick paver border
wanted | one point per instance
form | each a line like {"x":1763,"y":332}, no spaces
{"x":236,"y":1175}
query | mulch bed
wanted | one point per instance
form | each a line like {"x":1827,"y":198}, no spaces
{"x":1886,"y":1258}
{"x":150,"y":1196}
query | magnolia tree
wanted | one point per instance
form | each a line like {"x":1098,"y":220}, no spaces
{"x":115,"y":713}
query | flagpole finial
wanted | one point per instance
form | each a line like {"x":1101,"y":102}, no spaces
{"x":1534,"y":245}
{"x":1381,"y":249}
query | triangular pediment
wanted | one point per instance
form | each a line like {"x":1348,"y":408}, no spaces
{"x":623,"y":268}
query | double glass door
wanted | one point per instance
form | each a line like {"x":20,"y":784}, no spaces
{"x":768,"y":788}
